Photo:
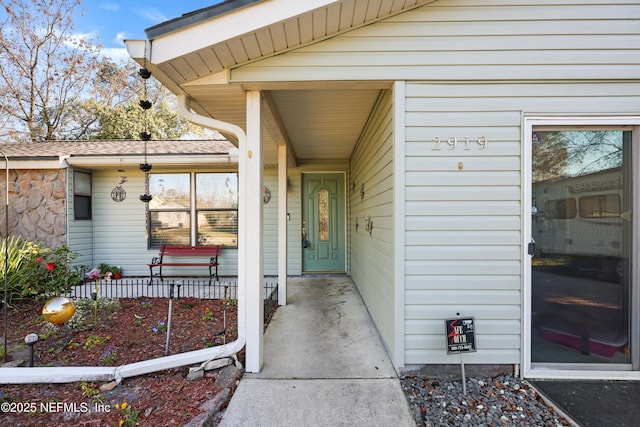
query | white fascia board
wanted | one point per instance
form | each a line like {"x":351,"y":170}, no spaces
{"x":34,"y":164}
{"x":174,"y":160}
{"x":228,"y":26}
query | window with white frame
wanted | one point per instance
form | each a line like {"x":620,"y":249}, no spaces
{"x":81,"y":195}
{"x":193,"y":209}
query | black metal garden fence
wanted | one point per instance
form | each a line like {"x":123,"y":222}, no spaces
{"x":182,"y":288}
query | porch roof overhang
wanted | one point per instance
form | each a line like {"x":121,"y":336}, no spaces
{"x":195,"y":55}
{"x":110,"y":154}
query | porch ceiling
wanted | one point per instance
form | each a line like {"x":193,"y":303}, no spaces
{"x":193,"y":54}
{"x":318,"y":124}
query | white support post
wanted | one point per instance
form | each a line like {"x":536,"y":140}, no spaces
{"x":282,"y":225}
{"x":253,"y":242}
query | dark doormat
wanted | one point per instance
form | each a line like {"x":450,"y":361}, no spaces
{"x":595,"y":403}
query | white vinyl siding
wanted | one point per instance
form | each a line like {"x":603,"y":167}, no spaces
{"x":465,"y":40}
{"x":371,"y":253}
{"x":294,"y":234}
{"x":120,"y":230}
{"x":463,"y":226}
{"x":79,"y":233}
{"x":471,"y":69}
{"x":270,"y":218}
{"x":119,"y":227}
{"x":294,"y":255}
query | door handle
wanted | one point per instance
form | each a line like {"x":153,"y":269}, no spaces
{"x":531,"y":249}
{"x":305,"y":243}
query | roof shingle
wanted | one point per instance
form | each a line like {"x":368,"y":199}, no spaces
{"x":48,"y":149}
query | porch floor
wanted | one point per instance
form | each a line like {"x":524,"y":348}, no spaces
{"x":324,"y":365}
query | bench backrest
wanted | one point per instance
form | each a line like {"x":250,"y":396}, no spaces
{"x":211,"y":251}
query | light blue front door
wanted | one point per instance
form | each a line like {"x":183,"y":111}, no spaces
{"x":323,"y":217}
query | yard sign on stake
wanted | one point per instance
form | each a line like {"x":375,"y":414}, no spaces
{"x":461,"y":338}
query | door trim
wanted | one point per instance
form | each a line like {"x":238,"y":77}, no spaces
{"x":563,"y":371}
{"x":344,"y":231}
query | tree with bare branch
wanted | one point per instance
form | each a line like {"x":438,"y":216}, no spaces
{"x":45,"y":69}
{"x":57,"y":85}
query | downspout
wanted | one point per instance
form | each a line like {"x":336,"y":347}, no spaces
{"x":101,"y":373}
{"x":184,"y":109}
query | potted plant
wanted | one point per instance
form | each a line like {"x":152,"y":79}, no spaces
{"x":116,"y":272}
{"x":104,"y":269}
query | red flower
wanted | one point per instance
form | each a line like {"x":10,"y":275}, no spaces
{"x":40,"y":259}
{"x":50,"y":266}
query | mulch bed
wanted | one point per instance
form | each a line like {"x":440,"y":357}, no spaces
{"x":135,"y":332}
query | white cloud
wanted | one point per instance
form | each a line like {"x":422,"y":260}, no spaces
{"x":121,"y":36}
{"x":152,"y":14}
{"x":86,"y":36}
{"x":116,"y":54}
{"x":109,"y":6}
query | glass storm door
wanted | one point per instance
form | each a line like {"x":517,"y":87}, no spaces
{"x":323,"y":217}
{"x":581,"y":224}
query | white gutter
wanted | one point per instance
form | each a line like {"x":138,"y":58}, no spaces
{"x":71,"y":374}
{"x":233,"y":132}
{"x":103,"y":162}
{"x":100,"y":373}
{"x":223,"y":127}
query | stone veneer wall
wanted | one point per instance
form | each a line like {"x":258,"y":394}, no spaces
{"x":37,"y":205}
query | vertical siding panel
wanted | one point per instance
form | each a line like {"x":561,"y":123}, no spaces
{"x":120,"y":228}
{"x":79,"y":233}
{"x":294,"y":208}
{"x":270,"y":215}
{"x":294,"y":256}
{"x":294,"y":248}
{"x":462,"y":272}
{"x":465,"y":40}
{"x":371,"y":253}
{"x":464,"y":207}
{"x":462,"y":61}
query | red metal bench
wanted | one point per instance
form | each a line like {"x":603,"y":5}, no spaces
{"x":186,"y":251}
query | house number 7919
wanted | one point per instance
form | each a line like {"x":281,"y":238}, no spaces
{"x":452,"y":142}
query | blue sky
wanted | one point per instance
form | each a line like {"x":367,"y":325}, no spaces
{"x":110,"y":22}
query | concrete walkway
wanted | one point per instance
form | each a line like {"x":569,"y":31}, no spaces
{"x":324,"y":365}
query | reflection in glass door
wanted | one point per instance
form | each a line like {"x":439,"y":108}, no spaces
{"x":581,"y":225}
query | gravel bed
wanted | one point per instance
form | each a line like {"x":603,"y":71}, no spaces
{"x":498,"y":401}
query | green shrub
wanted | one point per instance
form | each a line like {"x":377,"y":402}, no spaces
{"x":18,"y":252}
{"x":37,"y":272}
